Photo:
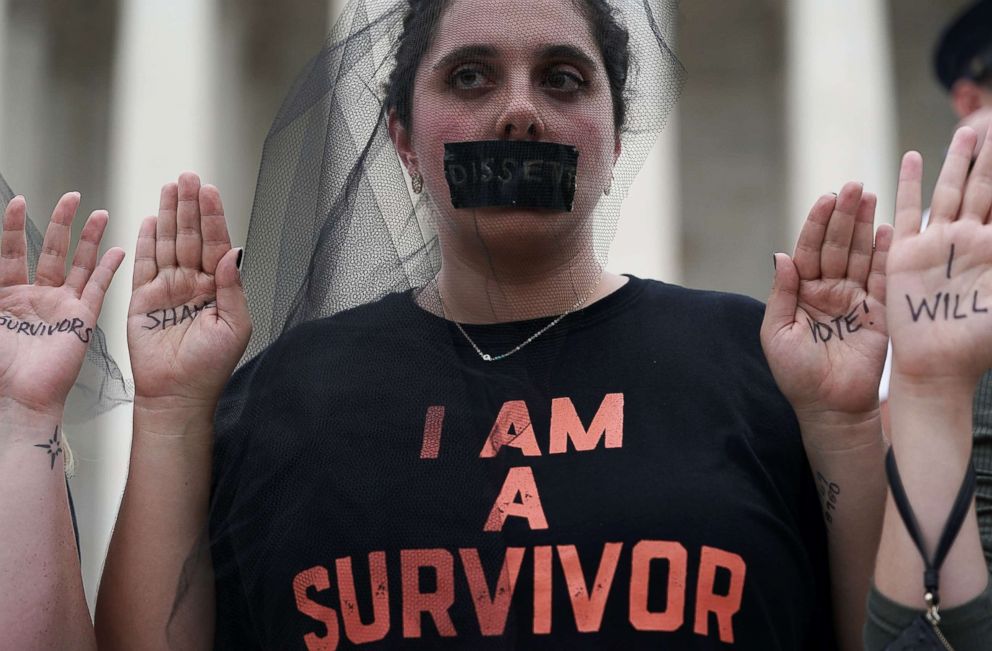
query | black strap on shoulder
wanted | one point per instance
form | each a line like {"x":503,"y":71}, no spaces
{"x":959,"y":511}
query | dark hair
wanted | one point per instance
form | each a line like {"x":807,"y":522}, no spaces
{"x":421,"y":22}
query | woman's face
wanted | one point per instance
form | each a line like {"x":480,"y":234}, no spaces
{"x":513,"y":69}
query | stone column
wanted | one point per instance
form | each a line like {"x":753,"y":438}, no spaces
{"x":648,"y":240}
{"x":163,"y":116}
{"x":841,"y":115}
{"x":4,"y":90}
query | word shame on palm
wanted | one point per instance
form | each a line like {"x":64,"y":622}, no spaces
{"x":173,"y":316}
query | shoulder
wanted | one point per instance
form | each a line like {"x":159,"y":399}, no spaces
{"x":701,"y":298}
{"x":312,"y":357}
{"x":714,"y":336}
{"x":323,"y":340}
{"x":393,"y":309}
{"x":707,"y":312}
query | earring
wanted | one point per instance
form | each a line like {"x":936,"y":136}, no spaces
{"x":417,"y":181}
{"x":609,"y":187}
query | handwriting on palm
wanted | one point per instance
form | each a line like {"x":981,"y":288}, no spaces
{"x":824,"y":331}
{"x":940,"y":280}
{"x":45,"y":327}
{"x":188,"y":321}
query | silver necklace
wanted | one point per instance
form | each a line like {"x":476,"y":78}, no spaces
{"x":486,"y":357}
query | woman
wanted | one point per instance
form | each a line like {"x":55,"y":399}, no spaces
{"x":512,"y":452}
{"x":522,"y":450}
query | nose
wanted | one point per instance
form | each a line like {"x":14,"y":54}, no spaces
{"x":521,"y":119}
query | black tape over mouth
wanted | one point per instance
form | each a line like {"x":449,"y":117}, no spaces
{"x":505,"y":173}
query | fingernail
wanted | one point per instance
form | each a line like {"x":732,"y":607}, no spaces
{"x":774,"y":262}
{"x":241,"y":255}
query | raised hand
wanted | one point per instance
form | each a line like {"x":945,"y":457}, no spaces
{"x":45,"y":327}
{"x":940,"y":318}
{"x":824,"y":331}
{"x":188,"y":321}
{"x":940,"y":280}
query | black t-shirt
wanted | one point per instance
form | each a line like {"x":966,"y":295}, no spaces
{"x":631,"y":479}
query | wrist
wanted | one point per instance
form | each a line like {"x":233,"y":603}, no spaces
{"x":13,"y":412}
{"x":932,"y":388}
{"x":174,"y":417}
{"x":174,"y":405}
{"x":932,"y":427}
{"x":833,"y":431}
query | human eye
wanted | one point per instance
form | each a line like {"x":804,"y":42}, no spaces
{"x":469,"y":77}
{"x":564,"y":79}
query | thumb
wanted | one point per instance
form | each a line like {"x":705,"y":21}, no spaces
{"x":781,"y":309}
{"x":232,"y":307}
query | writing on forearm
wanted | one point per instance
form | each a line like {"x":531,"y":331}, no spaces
{"x":829,"y":492}
{"x":76,"y":327}
{"x":945,"y":306}
{"x":53,"y":448}
{"x":845,"y":324}
{"x":173,"y":316}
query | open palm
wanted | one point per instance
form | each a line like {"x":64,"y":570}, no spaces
{"x":188,"y":322}
{"x":940,"y":280}
{"x":45,"y":327}
{"x":824,"y":331}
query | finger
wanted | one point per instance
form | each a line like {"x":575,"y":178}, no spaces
{"x":13,"y":246}
{"x":216,"y":239}
{"x":978,"y":191}
{"x":232,"y":306}
{"x":51,"y":262}
{"x":780,"y":312}
{"x":837,"y":241}
{"x":189,"y":244}
{"x":949,"y":190}
{"x":87,"y":251}
{"x":99,"y":282}
{"x":165,"y":228}
{"x":876,"y":279}
{"x":807,"y":254}
{"x":145,"y":268}
{"x":909,"y":196}
{"x":859,"y":262}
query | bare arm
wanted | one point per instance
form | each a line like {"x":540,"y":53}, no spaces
{"x":187,"y":327}
{"x":938,"y":357}
{"x":851,"y":484}
{"x":42,"y":604}
{"x":161,"y":522}
{"x":825,"y":337}
{"x":932,"y":443}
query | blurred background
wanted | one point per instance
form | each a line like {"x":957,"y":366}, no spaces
{"x":785,"y":100}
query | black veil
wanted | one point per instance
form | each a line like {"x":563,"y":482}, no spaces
{"x":339,"y":269}
{"x":334,"y":225}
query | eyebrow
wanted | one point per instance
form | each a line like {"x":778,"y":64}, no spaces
{"x":466,"y":52}
{"x":552,"y":51}
{"x":561,"y":51}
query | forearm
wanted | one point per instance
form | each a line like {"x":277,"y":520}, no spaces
{"x":931,"y":439}
{"x":42,"y":603}
{"x":851,"y":484}
{"x":161,"y":525}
